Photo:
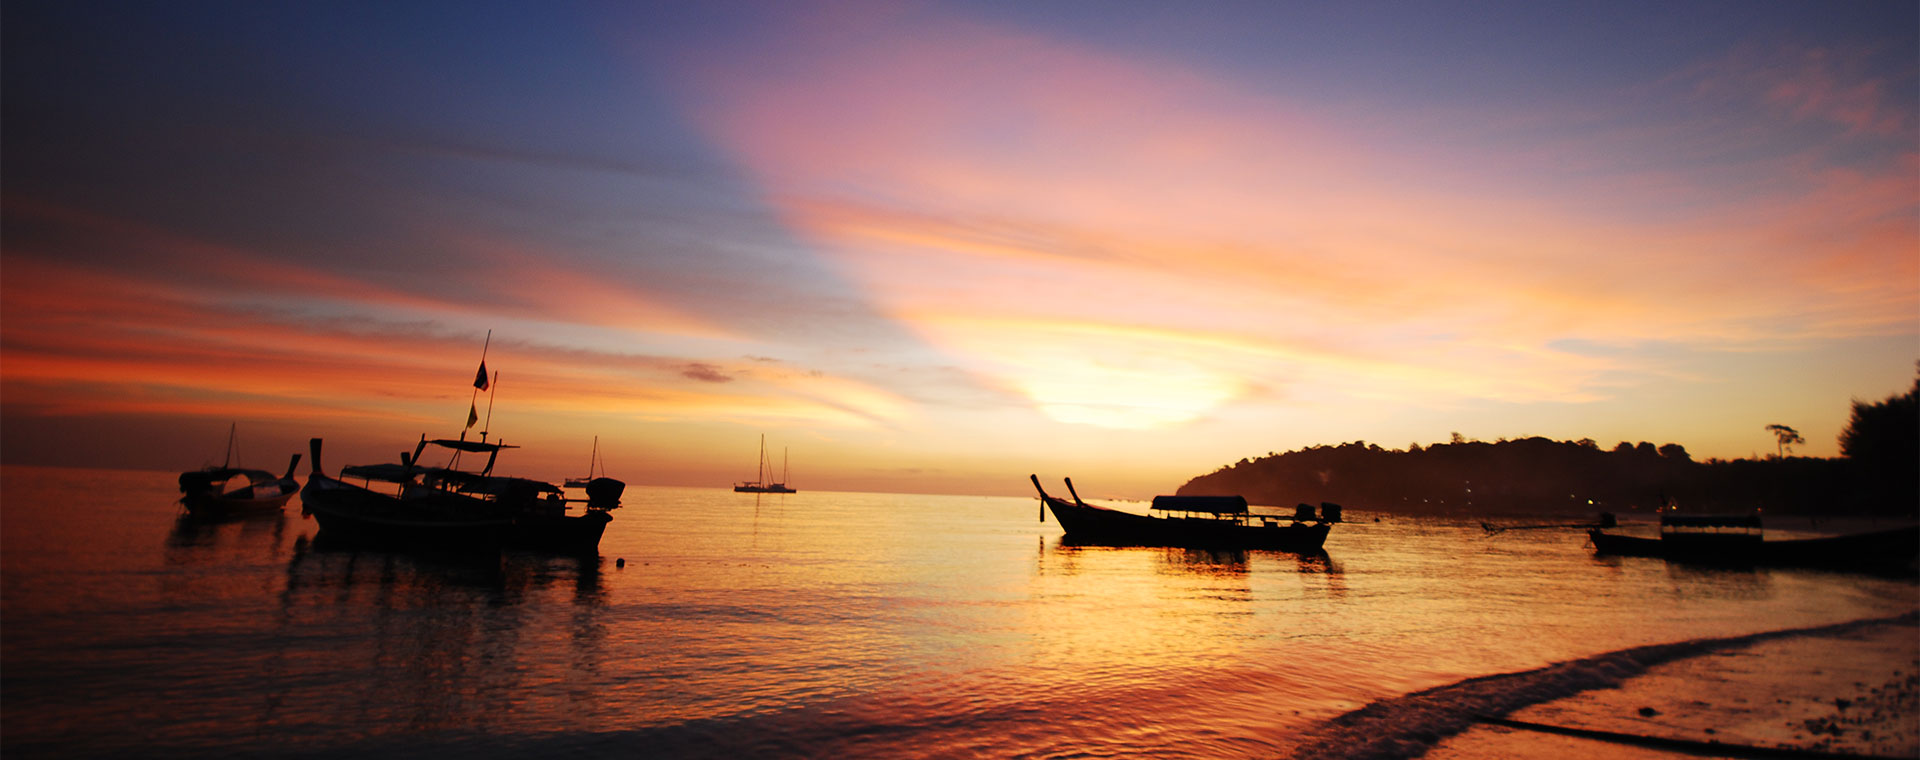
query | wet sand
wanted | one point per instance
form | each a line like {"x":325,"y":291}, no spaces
{"x":1855,"y":692}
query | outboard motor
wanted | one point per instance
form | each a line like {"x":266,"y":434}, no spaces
{"x":604,"y":493}
{"x":1329,"y":512}
{"x":1303,"y":512}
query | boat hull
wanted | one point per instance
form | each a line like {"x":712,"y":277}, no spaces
{"x":1887,"y":548}
{"x":219,"y":505}
{"x":568,"y":534}
{"x":361,"y":515}
{"x":1100,"y":526}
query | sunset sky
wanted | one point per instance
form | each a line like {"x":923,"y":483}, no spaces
{"x":933,"y":247}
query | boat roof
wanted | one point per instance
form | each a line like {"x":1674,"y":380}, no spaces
{"x":1710,"y":521}
{"x":399,"y":473}
{"x":470,"y":446}
{"x":494,"y":484}
{"x":223,"y":473}
{"x":392,"y":473}
{"x":1214,"y":504}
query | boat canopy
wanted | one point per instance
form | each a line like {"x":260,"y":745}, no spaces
{"x":200,"y":480}
{"x":1710,"y":521}
{"x":470,"y":446}
{"x":1219,"y":505}
{"x":390,"y":473}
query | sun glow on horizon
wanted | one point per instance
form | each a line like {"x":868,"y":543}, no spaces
{"x":956,"y":243}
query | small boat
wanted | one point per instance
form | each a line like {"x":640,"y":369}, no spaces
{"x":228,"y":491}
{"x":1200,"y":522}
{"x":594,"y":465}
{"x":760,"y":484}
{"x":1740,"y":540}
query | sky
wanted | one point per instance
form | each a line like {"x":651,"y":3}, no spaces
{"x":933,"y":247}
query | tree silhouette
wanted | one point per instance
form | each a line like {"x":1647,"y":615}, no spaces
{"x":1787,"y":437}
{"x":1882,"y":443}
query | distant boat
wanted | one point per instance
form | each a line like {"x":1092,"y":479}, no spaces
{"x":1199,"y":522}
{"x":760,"y":484}
{"x":1740,"y":540}
{"x":233,"y":491}
{"x":594,"y":465}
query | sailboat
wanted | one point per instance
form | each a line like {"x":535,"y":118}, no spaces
{"x":595,"y":467}
{"x":759,"y":484}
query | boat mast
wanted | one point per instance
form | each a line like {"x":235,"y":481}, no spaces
{"x":232,"y":429}
{"x":760,"y":475}
{"x":479,"y":384}
{"x":783,"y":465}
{"x":492,"y":389}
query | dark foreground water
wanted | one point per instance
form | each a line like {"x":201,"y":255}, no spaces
{"x":815,"y":624}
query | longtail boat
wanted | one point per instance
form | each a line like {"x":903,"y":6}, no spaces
{"x":443,"y":506}
{"x":232,"y":491}
{"x":1200,"y":522}
{"x":1740,"y":540}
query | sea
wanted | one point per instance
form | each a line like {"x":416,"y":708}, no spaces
{"x":816,"y":624}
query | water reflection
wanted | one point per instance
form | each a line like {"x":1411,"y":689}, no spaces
{"x":1318,"y":569}
{"x":453,"y":640}
{"x":1718,"y":582}
{"x":1685,"y":580}
{"x":194,"y":540}
{"x":1219,"y":563}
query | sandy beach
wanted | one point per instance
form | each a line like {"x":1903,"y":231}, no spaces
{"x":1855,"y":692}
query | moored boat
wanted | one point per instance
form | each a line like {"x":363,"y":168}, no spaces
{"x":419,"y":505}
{"x":445,"y":507}
{"x":236,"y":491}
{"x":759,"y":484}
{"x":1740,"y":540}
{"x":230,"y":491}
{"x":1202,"y":522}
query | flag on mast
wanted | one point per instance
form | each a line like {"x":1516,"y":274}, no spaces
{"x":473,"y":415}
{"x":480,"y":379}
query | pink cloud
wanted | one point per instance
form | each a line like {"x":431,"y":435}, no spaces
{"x":955,"y":168}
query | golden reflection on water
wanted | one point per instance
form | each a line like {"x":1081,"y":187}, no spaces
{"x":811,"y":624}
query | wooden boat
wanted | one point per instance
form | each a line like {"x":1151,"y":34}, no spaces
{"x":449,"y":508}
{"x":1201,"y":522}
{"x":1740,"y":540}
{"x":228,"y":491}
{"x":445,"y":507}
{"x":760,"y":484}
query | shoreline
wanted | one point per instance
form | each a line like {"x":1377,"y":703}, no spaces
{"x":1828,"y":688}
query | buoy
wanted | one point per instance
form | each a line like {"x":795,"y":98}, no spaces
{"x":621,"y":562}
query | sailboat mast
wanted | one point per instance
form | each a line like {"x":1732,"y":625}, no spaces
{"x":783,"y":465}
{"x":761,"y":473}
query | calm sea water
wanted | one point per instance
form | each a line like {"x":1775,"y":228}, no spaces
{"x":814,"y":624}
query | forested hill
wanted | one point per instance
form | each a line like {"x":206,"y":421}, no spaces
{"x":1535,"y":475}
{"x":1877,"y":473}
